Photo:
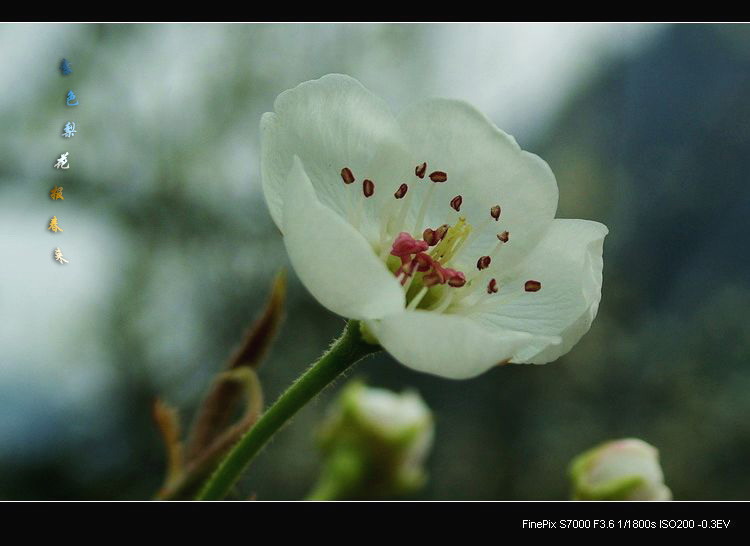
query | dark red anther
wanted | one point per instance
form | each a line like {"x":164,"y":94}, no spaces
{"x":504,"y":236}
{"x":456,"y":203}
{"x":438,"y":176}
{"x":430,"y":237}
{"x":368,"y":187}
{"x":347,"y":175}
{"x":420,"y":170}
{"x":433,"y":277}
{"x":495,"y":212}
{"x":434,"y":236}
{"x":423,"y":262}
{"x":456,"y":279}
{"x":483,"y":262}
{"x":401,"y":191}
{"x":532,"y":286}
{"x":492,"y":287}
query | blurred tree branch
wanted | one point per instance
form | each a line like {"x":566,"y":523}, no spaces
{"x":212,"y":433}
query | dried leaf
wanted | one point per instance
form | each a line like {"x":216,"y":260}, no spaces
{"x":198,"y":469}
{"x":260,"y":336}
{"x":168,"y":421}
{"x":223,"y":400}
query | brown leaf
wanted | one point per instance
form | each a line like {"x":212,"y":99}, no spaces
{"x":222,"y":401}
{"x":259,"y":337}
{"x":168,"y":422}
{"x":198,"y":469}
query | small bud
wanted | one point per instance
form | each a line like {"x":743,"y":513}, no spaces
{"x":374,"y":444}
{"x":495,"y":212}
{"x":438,"y":176}
{"x":619,"y":470}
{"x":347,"y":176}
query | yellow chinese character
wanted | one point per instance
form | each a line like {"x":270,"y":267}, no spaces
{"x":53,"y":225}
{"x":56,"y":193}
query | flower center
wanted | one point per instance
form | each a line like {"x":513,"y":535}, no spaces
{"x":421,"y":264}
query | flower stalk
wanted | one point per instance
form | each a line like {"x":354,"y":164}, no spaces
{"x":345,"y":352}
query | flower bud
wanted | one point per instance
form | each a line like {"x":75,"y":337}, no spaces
{"x":625,"y":469}
{"x":374,"y":443}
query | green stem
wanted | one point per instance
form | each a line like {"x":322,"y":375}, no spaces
{"x":346,"y":351}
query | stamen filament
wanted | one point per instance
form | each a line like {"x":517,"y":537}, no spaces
{"x":417,"y":299}
{"x":405,"y":205}
{"x":468,"y":241}
{"x":386,"y":216}
{"x":407,"y":285}
{"x":419,"y":225}
{"x":444,"y":302}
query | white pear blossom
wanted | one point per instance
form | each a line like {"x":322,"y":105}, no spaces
{"x":433,"y":228}
{"x":625,"y":469}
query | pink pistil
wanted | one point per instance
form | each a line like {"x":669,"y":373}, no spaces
{"x":414,"y":259}
{"x":424,"y":262}
{"x":405,"y":245}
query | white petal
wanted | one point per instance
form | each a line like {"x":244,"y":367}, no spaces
{"x":450,"y":346}
{"x":630,"y":457}
{"x":486,"y":167}
{"x":330,"y":123}
{"x":568,"y":263}
{"x":332,"y":259}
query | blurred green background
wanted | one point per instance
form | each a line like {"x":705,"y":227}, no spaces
{"x":172,"y":251}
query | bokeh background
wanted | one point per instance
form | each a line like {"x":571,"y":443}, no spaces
{"x":172,"y":251}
